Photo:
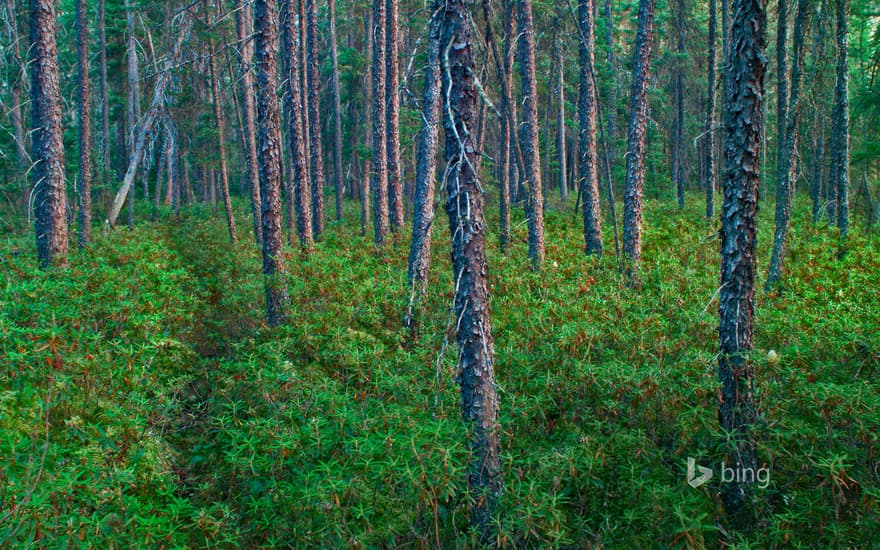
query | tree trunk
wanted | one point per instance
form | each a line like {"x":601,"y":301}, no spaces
{"x":743,"y":122}
{"x":297,"y":141}
{"x":529,"y":133}
{"x":709,"y":141}
{"x":316,"y":154}
{"x":269,"y":138}
{"x":471,"y":300}
{"x":392,"y":116}
{"x":85,"y":126}
{"x":840,"y":155}
{"x":105,"y":102}
{"x":221,"y":142}
{"x":379,"y":161}
{"x":611,"y":59}
{"x":244,"y":30}
{"x":426,"y":171}
{"x":364,"y":182}
{"x":133,"y":110}
{"x":787,"y":150}
{"x":635,"y":143}
{"x":560,"y":122}
{"x":781,"y":84}
{"x":15,"y":114}
{"x":679,"y":151}
{"x":587,"y":113}
{"x":49,"y":193}
{"x":337,"y":112}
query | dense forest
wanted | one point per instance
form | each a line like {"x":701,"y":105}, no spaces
{"x":382,"y":273}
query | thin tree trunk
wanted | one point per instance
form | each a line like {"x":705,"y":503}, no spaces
{"x":392,"y":116}
{"x":105,"y":102}
{"x":379,"y":162}
{"x":471,"y":301}
{"x":840,"y":156}
{"x":560,"y":122}
{"x":611,"y":59}
{"x":709,"y":142}
{"x":85,"y":126}
{"x":679,"y":151}
{"x":364,"y":182}
{"x":426,"y":171}
{"x":635,"y":143}
{"x":17,"y":83}
{"x":297,"y":141}
{"x":269,"y":138}
{"x":743,"y":121}
{"x":244,"y":29}
{"x":337,"y":112}
{"x":529,"y":133}
{"x":221,"y":142}
{"x":49,"y":193}
{"x":781,"y":84}
{"x":587,"y":113}
{"x":786,"y":152}
{"x":133,"y":110}
{"x":316,"y":154}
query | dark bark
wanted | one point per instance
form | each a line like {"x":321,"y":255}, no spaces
{"x":781,"y":82}
{"x":316,"y":153}
{"x":529,"y":133}
{"x":243,"y":30}
{"x":269,"y":139}
{"x":743,"y":122}
{"x":787,"y":149}
{"x":709,"y":138}
{"x":85,"y":126}
{"x":426,"y":169}
{"x":840,"y":154}
{"x":679,"y":151}
{"x":635,"y":142}
{"x":49,"y":193}
{"x":337,"y":112}
{"x":471,"y":300}
{"x":379,"y":161}
{"x":587,"y":114}
{"x":560,"y":121}
{"x":296,"y":139}
{"x":105,"y":102}
{"x":392,"y":115}
{"x":611,"y":59}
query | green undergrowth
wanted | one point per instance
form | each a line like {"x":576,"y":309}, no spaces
{"x":145,"y":403}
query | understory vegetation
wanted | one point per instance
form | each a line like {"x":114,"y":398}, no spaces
{"x":144,"y":402}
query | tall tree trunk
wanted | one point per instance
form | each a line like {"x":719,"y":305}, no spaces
{"x":787,"y":150}
{"x":105,"y":102}
{"x":743,"y":122}
{"x":269,"y":138}
{"x":15,"y":114}
{"x":297,"y":141}
{"x":221,"y":142}
{"x":49,"y":193}
{"x":426,"y":172}
{"x":529,"y":133}
{"x":611,"y":59}
{"x":679,"y":151}
{"x":85,"y":126}
{"x":337,"y":112}
{"x":840,"y":155}
{"x":560,"y":122}
{"x":243,"y":31}
{"x":316,"y":153}
{"x":709,"y":141}
{"x":635,"y":143}
{"x":392,"y":116}
{"x":133,"y":111}
{"x":379,"y":161}
{"x":587,"y":113}
{"x":781,"y":83}
{"x":368,"y":122}
{"x":471,"y":300}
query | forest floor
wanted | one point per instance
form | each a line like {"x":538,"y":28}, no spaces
{"x":143,"y":401}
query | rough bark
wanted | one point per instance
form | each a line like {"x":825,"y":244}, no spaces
{"x":840,"y":155}
{"x":133,"y":104}
{"x":587,"y":114}
{"x":15,"y":113}
{"x":243,"y":30}
{"x":105,"y":102}
{"x":85,"y":126}
{"x":529,"y":133}
{"x":316,"y":153}
{"x":220,"y":124}
{"x":337,"y":111}
{"x":269,"y":138}
{"x":368,"y":122}
{"x":781,"y":82}
{"x":392,"y":116}
{"x":709,"y":138}
{"x":787,"y":149}
{"x":426,"y":169}
{"x":635,"y":142}
{"x":471,"y":299}
{"x":743,"y":122}
{"x":297,"y":145}
{"x":49,"y":193}
{"x":560,"y":121}
{"x":379,"y":161}
{"x":611,"y":59}
{"x":679,"y":151}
